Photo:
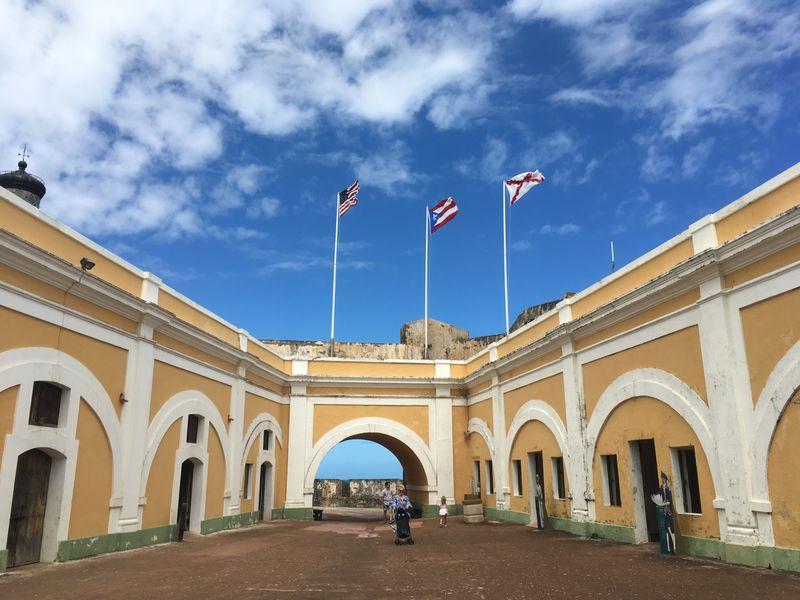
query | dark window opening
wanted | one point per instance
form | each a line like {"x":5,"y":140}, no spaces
{"x":248,"y":473}
{"x":267,"y":440}
{"x":690,"y":487}
{"x":45,"y":404}
{"x":192,"y":427}
{"x":612,"y":479}
{"x":558,"y":473}
{"x":517,"y":465}
{"x":489,"y":477}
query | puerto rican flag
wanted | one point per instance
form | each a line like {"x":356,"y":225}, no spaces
{"x":521,"y":184}
{"x":442,"y":213}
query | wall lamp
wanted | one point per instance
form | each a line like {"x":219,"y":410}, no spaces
{"x":86,"y":264}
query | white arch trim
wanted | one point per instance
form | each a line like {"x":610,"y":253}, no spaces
{"x":371,"y":425}
{"x":182,"y":404}
{"x":536,"y":410}
{"x":262,"y":422}
{"x":779,"y":388}
{"x":23,"y":366}
{"x":665,"y":387}
{"x":480,"y":427}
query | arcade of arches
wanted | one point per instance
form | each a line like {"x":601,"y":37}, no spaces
{"x":130,"y":415}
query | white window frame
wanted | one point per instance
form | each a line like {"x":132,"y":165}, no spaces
{"x":248,"y":481}
{"x":677,"y":483}
{"x":555,"y":476}
{"x":516,"y":472}
{"x":604,"y":474}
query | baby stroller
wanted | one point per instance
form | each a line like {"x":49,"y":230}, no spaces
{"x":402,"y":521}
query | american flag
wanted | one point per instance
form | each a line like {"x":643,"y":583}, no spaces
{"x":348,"y":198}
{"x":442,"y":213}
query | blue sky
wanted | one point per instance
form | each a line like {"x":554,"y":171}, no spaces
{"x":357,"y":459}
{"x":207,"y":144}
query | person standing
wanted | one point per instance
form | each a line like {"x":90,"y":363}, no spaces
{"x":443,"y":512}
{"x":386,"y":497}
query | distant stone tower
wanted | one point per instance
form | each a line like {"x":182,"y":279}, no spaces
{"x":28,"y":187}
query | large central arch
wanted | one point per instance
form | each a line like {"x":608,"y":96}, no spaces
{"x":407,"y":446}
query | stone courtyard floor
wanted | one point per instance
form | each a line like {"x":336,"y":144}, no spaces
{"x":358,"y":559}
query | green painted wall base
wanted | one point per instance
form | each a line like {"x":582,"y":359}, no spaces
{"x":294,"y":514}
{"x":509,"y":516}
{"x":618,"y":533}
{"x":228,"y":522}
{"x":3,"y":560}
{"x":431,"y":511}
{"x":115,"y":542}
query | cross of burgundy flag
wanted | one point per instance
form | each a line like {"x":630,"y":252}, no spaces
{"x":442,"y":213}
{"x":348,"y":198}
{"x":521,"y":184}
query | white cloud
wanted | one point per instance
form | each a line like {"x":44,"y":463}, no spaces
{"x":111,"y":95}
{"x":267,"y":208}
{"x":564,"y":229}
{"x":696,"y":158}
{"x":389,"y":170}
{"x":657,"y":214}
{"x":711,"y":65}
{"x":572,"y":12}
{"x":521,"y":245}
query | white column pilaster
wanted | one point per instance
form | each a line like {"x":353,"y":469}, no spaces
{"x":299,"y":438}
{"x":235,"y":432}
{"x":727,"y":386}
{"x":500,"y":467}
{"x":579,"y":465}
{"x":135,"y":419}
{"x":442,"y":446}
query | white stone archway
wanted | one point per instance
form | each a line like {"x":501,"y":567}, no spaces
{"x":665,"y":387}
{"x":261,"y":423}
{"x":480,"y":427}
{"x":180,"y":406}
{"x":779,"y":388}
{"x":536,"y":410}
{"x":22,"y":367}
{"x":365,"y":426}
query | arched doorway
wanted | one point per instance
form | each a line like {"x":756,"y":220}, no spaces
{"x":265,"y":491}
{"x":419,"y":471}
{"x":189,"y":500}
{"x":29,"y":507}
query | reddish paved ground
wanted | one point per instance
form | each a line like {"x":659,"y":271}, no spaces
{"x":357,"y":559}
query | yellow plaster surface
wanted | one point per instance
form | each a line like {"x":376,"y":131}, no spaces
{"x":169,"y":380}
{"x":187,"y":350}
{"x":536,"y":437}
{"x":191,"y":315}
{"x":482,"y":410}
{"x":782,"y":258}
{"x":215,"y":490}
{"x":355,"y":368}
{"x":8,"y":403}
{"x":771,"y":328}
{"x":677,"y":353}
{"x":665,"y":308}
{"x":528,"y":366}
{"x":528,"y":336}
{"x":782,"y":476}
{"x":763,"y":209}
{"x":550,"y":390}
{"x":328,"y":416}
{"x":647,"y":418}
{"x":159,"y":482}
{"x":658,"y":265}
{"x":93,"y":476}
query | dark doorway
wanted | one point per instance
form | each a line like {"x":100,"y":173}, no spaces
{"x":536,"y":473}
{"x":647,"y":460}
{"x":185,"y":497}
{"x":262,"y":491}
{"x":28,"y":506}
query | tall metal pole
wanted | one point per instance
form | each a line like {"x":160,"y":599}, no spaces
{"x":335,"y":254}
{"x":612,"y":256}
{"x":505,"y":254}
{"x":427,"y":238}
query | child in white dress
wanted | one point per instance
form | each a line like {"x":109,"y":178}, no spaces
{"x":443,"y":513}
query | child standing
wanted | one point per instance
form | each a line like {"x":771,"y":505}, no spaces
{"x":443,"y":512}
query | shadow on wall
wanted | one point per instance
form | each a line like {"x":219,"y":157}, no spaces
{"x":351,"y":493}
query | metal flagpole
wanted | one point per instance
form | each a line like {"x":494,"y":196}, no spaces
{"x":427,"y":238}
{"x":612,"y":256}
{"x":335,"y":253}
{"x":505,"y":254}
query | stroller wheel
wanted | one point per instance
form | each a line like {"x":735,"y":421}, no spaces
{"x":396,"y":542}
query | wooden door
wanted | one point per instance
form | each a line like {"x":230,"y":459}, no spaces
{"x":185,"y":495}
{"x":28,"y":506}
{"x":262,"y":491}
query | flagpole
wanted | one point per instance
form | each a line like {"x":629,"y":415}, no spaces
{"x":505,"y":254}
{"x":335,"y":253}
{"x":612,"y":256}
{"x":427,"y":243}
